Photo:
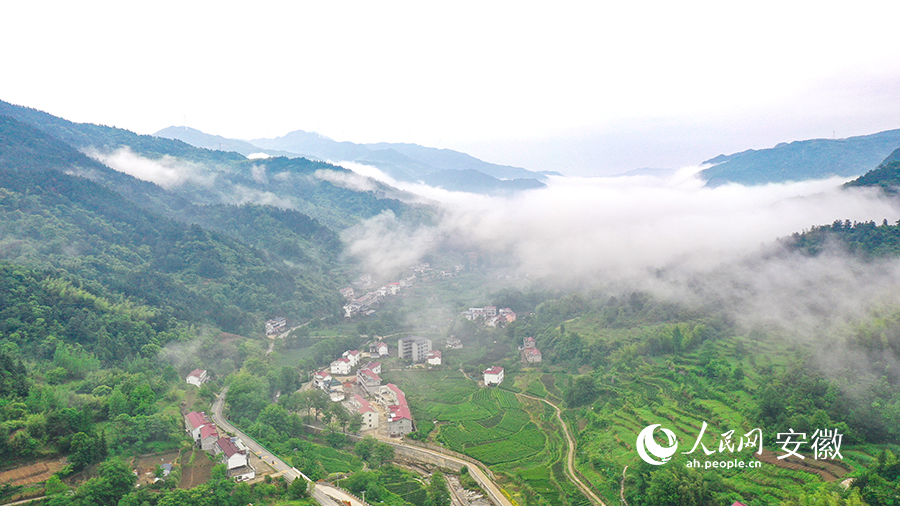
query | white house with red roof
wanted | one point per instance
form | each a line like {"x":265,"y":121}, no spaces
{"x":194,"y":421}
{"x":382,"y":349}
{"x":322,"y":380}
{"x":493,"y":375}
{"x":208,"y":437}
{"x":230,"y":453}
{"x":353,"y":356}
{"x":434,"y":357}
{"x":197,"y":377}
{"x":369,"y":415}
{"x":400,"y":420}
{"x":341,"y":366}
{"x":374,"y":367}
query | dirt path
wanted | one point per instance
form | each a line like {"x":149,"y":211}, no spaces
{"x":570,"y":454}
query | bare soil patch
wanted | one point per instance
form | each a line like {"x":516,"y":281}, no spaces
{"x":34,"y":473}
{"x":145,"y":465}
{"x":829,"y":470}
{"x":197,"y":472}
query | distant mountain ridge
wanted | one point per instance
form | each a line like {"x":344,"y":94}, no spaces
{"x":801,"y":160}
{"x":401,"y":161}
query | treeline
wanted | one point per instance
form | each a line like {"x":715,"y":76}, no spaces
{"x":866,"y":239}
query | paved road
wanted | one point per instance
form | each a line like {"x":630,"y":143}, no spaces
{"x":289,"y":473}
{"x":570,"y":454}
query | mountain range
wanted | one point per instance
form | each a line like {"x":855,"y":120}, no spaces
{"x":444,"y":168}
{"x":802,"y":160}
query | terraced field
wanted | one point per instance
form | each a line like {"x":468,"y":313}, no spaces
{"x":518,"y":438}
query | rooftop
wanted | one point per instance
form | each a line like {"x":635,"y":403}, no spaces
{"x":494,"y":370}
{"x":197,"y":419}
{"x":228,"y":447}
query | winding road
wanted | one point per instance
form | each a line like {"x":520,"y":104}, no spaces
{"x":570,"y":454}
{"x":324,"y":493}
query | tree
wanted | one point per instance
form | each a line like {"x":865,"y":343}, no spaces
{"x":582,"y":391}
{"x":299,"y":489}
{"x":438,"y":494}
{"x":365,"y":447}
{"x":55,"y":486}
{"x":382,"y":453}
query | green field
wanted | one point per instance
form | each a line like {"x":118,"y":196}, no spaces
{"x":518,"y":438}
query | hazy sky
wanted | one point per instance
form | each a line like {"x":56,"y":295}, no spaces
{"x":582,"y":87}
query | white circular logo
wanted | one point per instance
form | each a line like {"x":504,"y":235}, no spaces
{"x":645,"y":444}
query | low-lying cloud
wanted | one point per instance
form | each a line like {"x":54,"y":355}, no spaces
{"x":167,"y":171}
{"x":626,"y":226}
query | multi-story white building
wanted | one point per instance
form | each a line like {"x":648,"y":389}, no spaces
{"x":413,"y":348}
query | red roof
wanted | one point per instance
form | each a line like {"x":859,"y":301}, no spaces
{"x":228,"y":447}
{"x":208,"y":430}
{"x":434,"y":353}
{"x":196,"y":373}
{"x":370,"y":374}
{"x":322,"y":374}
{"x":197,"y":419}
{"x":364,"y":405}
{"x":399,"y":411}
{"x":494,"y":370}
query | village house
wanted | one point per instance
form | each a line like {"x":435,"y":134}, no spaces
{"x":434,"y":357}
{"x":234,"y":456}
{"x":322,"y":380}
{"x":208,"y":437}
{"x":194,"y":421}
{"x":352,"y":356}
{"x":454,"y":343}
{"x":413,"y":348}
{"x":369,"y":415}
{"x":197,"y":377}
{"x":368,"y":380}
{"x":493,"y":376}
{"x":341,"y":367}
{"x":347,"y":292}
{"x":532,"y":355}
{"x":275,"y":325}
{"x":374,"y":367}
{"x":400,"y":420}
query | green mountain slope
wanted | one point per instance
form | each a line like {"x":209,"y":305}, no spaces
{"x":886,"y":175}
{"x":205,"y":176}
{"x":800,"y":160}
{"x":52,"y":219}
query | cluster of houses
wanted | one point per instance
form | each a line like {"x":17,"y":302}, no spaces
{"x":490,"y":315}
{"x":231,"y":451}
{"x":530,"y":353}
{"x":367,"y":384}
{"x":366,"y":304}
{"x":276,"y":325}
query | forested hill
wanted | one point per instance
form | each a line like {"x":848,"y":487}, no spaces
{"x":865,"y":239}
{"x":52,"y":219}
{"x":886,"y":175}
{"x":801,"y":160}
{"x":203,"y":176}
